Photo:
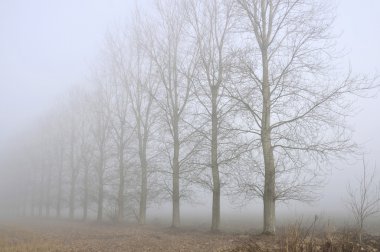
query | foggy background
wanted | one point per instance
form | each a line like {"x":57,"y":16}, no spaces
{"x":46,"y":47}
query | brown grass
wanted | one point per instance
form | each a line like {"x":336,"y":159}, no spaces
{"x":296,"y":238}
{"x":55,"y":236}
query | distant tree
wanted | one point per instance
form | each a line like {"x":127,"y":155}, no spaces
{"x":364,"y":199}
{"x":73,"y":127}
{"x":100,"y":130}
{"x":86,"y":149}
{"x":134,"y":72}
{"x":118,"y":108}
{"x":58,"y":128}
{"x":59,"y":150}
{"x":142,"y":86}
{"x":122,"y":132}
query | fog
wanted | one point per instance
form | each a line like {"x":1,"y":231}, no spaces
{"x":51,"y":49}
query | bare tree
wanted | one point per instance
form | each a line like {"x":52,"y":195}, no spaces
{"x":86,"y":156}
{"x":73,"y":119}
{"x":60,"y":140}
{"x":85,"y":148}
{"x":100,"y":130}
{"x":121,"y":126}
{"x":212,"y":23}
{"x":175,"y":63}
{"x":142,"y":87}
{"x":49,"y":163}
{"x":134,"y":72}
{"x":122,"y":133}
{"x":289,"y":88}
{"x":364,"y":199}
{"x":59,"y":150}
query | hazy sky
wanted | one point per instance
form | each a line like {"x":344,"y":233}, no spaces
{"x":46,"y":46}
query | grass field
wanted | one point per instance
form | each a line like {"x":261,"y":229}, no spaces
{"x":57,"y":236}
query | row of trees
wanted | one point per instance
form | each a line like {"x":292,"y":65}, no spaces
{"x":235,"y":96}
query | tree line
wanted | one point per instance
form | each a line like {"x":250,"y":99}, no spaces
{"x":238,"y":97}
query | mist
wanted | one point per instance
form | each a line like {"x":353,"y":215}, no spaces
{"x":220,"y":117}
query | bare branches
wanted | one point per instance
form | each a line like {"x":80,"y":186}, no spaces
{"x":364,"y":199}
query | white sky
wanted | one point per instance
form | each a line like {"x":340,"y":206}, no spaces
{"x":46,"y":46}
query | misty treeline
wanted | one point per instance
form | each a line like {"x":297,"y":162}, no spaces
{"x":244,"y":98}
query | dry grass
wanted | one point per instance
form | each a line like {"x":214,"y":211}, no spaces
{"x":296,"y":238}
{"x":54,"y":236}
{"x":82,"y":237}
{"x":13,"y":239}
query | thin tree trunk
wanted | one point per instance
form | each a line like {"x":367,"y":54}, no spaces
{"x":42,"y":194}
{"x":100,"y":199}
{"x":59,"y":196}
{"x":214,"y":164}
{"x":143,"y":141}
{"x":144,"y":191}
{"x":24,"y":204}
{"x":85,"y":196}
{"x":48,"y":196}
{"x":120,"y":216}
{"x":72,"y":195}
{"x":176,"y":196}
{"x":269,"y":186}
{"x":361,"y":231}
{"x":100,"y":187}
{"x":73,"y":179}
{"x":33,"y":196}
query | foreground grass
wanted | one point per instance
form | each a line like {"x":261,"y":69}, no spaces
{"x":13,"y":239}
{"x":76,"y":236}
{"x":55,"y":236}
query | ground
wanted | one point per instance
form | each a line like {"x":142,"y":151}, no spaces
{"x":57,"y":236}
{"x":77,"y":236}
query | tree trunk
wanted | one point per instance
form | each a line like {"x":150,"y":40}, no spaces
{"x":72,"y":180}
{"x":176,"y":195}
{"x":214,"y":163}
{"x":59,"y":196}
{"x":144,"y":191}
{"x":120,"y":215}
{"x":48,"y":196}
{"x":85,"y":196}
{"x":269,"y":186}
{"x":143,"y":141}
{"x":101,"y":183}
{"x":25,"y":204}
{"x":100,"y":199}
{"x":72,"y":195}
{"x":33,"y":196}
{"x":361,"y":230}
{"x":42,"y":194}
